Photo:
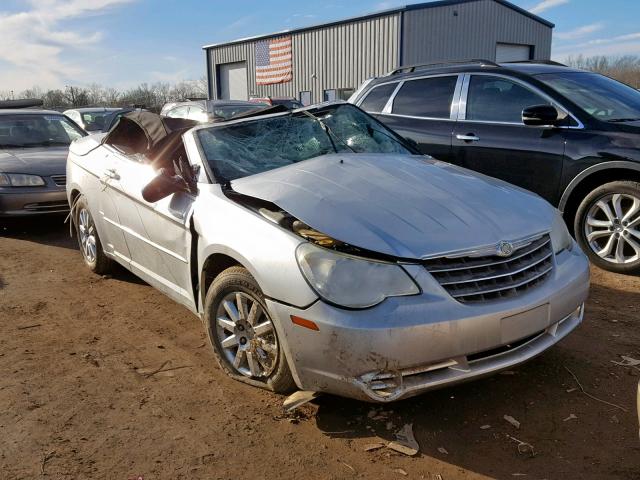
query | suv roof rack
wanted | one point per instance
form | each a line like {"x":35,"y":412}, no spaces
{"x":542,"y":62}
{"x":412,"y":68}
{"x":22,"y":103}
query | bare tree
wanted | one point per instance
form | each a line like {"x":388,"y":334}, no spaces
{"x":34,"y":92}
{"x":624,"y":68}
{"x":152,"y":97}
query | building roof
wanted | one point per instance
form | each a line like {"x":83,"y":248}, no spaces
{"x":382,"y":13}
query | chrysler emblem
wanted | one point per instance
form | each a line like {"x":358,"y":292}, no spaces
{"x":504,"y":249}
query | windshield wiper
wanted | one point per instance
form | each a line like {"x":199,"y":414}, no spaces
{"x":329,"y":132}
{"x":620,"y":120}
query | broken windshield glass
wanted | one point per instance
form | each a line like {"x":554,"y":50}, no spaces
{"x":261,"y":144}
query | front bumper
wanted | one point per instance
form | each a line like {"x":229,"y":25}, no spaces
{"x":409,"y":345}
{"x":32,"y":201}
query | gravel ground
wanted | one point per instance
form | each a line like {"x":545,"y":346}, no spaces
{"x":79,"y":398}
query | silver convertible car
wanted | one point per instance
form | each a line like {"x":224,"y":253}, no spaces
{"x":323,"y":254}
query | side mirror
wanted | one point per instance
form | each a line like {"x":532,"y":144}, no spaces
{"x":162,"y":186}
{"x":541,"y":115}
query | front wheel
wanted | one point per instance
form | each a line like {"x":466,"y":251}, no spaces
{"x":242,"y":333}
{"x":88,"y":239}
{"x":607,"y":226}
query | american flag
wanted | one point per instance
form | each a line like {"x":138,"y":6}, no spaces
{"x":273,"y":61}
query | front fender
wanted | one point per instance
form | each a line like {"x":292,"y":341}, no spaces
{"x":583,"y":175}
{"x":263,"y":248}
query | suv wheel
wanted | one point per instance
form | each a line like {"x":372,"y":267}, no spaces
{"x":607,"y":226}
{"x":242,"y":333}
{"x":88,"y":239}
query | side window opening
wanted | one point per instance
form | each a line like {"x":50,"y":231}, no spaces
{"x":129,"y":139}
{"x":426,"y":97}
{"x":377,"y":98}
{"x":496,"y":99}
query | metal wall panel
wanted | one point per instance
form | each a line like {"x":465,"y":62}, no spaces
{"x":336,"y":56}
{"x":469,"y":30}
{"x":342,"y":55}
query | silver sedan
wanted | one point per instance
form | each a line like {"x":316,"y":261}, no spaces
{"x":323,"y":254}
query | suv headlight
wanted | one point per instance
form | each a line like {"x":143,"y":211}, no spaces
{"x":352,"y":282}
{"x":20,"y":180}
{"x":560,"y":236}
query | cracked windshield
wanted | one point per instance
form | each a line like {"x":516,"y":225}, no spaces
{"x":251,"y":147}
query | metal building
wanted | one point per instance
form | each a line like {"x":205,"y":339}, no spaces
{"x":329,"y":61}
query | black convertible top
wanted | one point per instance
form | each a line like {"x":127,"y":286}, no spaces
{"x":158,"y":139}
{"x":155,"y":129}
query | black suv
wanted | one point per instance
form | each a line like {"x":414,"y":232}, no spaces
{"x":569,"y":135}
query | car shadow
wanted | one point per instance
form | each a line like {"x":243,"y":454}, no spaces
{"x":47,"y":230}
{"x":52,"y":230}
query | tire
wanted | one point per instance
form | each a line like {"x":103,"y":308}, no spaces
{"x":88,"y":239}
{"x":247,"y":348}
{"x":607,"y":226}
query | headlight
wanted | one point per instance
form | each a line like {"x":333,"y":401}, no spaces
{"x":352,"y":282}
{"x":20,"y":180}
{"x":560,"y":237}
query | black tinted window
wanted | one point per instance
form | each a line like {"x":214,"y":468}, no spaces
{"x":427,"y":97}
{"x":496,"y":99}
{"x":377,"y":98}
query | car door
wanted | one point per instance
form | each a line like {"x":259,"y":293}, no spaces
{"x":99,"y":190}
{"x":157,"y":234}
{"x":424,"y":110}
{"x":490,"y":137}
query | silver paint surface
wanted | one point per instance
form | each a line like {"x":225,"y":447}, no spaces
{"x":405,"y":206}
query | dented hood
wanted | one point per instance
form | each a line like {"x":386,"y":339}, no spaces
{"x":400,"y":205}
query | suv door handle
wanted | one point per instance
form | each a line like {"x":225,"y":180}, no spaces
{"x":470,"y":137}
{"x":112,"y":174}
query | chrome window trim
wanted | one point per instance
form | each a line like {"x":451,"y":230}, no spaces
{"x":455,"y":100}
{"x":462,"y":113}
{"x":462,"y":104}
{"x":389,"y":105}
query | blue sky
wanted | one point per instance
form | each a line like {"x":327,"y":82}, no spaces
{"x":121,"y":43}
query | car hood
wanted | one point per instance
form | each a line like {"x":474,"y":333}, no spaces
{"x":405,"y":206}
{"x":37,"y":161}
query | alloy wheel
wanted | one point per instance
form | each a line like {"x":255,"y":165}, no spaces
{"x":87,"y":233}
{"x":247,"y":335}
{"x":612,"y":228}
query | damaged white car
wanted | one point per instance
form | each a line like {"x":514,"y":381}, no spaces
{"x":323,"y":254}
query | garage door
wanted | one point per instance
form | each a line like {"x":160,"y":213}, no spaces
{"x":510,"y":52}
{"x":233,"y":81}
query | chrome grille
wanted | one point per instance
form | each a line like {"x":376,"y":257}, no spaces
{"x":480,"y":279}
{"x":59,"y":180}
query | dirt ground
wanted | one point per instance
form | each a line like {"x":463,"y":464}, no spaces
{"x":79,"y":398}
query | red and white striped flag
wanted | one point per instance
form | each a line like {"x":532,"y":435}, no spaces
{"x":273,"y":61}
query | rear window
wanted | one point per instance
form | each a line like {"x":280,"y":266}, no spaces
{"x":378,"y":97}
{"x":427,"y":97}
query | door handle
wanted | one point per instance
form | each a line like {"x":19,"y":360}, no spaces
{"x":112,"y":174}
{"x":470,"y":137}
